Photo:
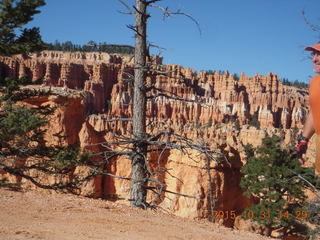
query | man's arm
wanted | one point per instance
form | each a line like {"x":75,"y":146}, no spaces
{"x":308,"y":129}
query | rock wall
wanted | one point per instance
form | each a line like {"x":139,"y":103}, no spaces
{"x":218,"y":112}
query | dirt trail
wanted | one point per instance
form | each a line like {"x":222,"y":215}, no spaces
{"x":34,"y":215}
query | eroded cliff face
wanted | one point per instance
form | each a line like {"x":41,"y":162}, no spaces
{"x":95,"y":87}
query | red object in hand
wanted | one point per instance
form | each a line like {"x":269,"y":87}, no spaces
{"x":301,"y":148}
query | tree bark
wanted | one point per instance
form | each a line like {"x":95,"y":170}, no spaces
{"x":139,"y":168}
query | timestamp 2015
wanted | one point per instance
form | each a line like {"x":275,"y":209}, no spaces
{"x":263,"y":214}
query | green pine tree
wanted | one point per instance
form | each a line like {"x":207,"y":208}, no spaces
{"x":13,"y":15}
{"x":271,"y":175}
{"x":22,"y":129}
{"x":22,"y":137}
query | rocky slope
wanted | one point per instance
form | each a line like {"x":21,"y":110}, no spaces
{"x":91,"y":88}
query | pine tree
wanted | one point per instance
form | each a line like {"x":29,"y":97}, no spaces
{"x":273,"y":176}
{"x":13,"y":15}
{"x":23,"y":148}
{"x":22,"y":129}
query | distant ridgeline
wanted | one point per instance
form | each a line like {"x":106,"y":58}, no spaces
{"x":91,"y":46}
{"x":295,"y":83}
{"x":284,"y":81}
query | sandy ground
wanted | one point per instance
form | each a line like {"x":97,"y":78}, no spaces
{"x":34,"y":215}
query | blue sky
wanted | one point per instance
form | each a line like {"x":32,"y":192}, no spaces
{"x":237,"y":35}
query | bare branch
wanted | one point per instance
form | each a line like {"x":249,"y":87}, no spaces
{"x":115,"y":176}
{"x":314,"y":189}
{"x":152,"y":1}
{"x":133,"y":28}
{"x":127,"y":13}
{"x":159,"y":72}
{"x":117,"y":119}
{"x":55,"y":186}
{"x":156,"y":181}
{"x":174,"y":98}
{"x":130,"y":77}
{"x":158,"y":47}
{"x":127,"y":7}
{"x":167,"y":13}
{"x":178,"y":194}
{"x":314,"y":27}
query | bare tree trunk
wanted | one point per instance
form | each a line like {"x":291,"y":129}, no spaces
{"x":139,"y":168}
{"x":212,"y":201}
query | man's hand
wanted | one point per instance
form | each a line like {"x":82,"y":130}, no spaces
{"x":301,"y":148}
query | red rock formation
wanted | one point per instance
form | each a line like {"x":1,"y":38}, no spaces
{"x":105,"y":78}
{"x":103,"y":86}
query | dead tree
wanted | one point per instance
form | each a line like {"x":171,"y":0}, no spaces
{"x":139,"y":143}
{"x":139,"y":167}
{"x":140,"y":139}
